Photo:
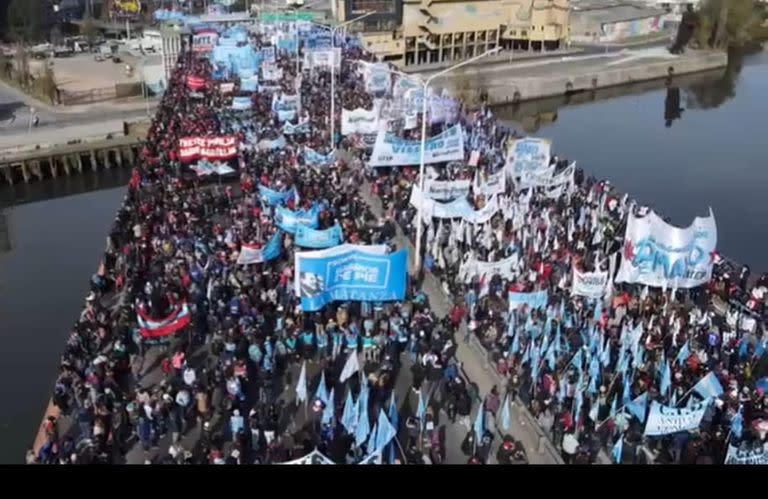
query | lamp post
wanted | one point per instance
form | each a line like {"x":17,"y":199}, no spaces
{"x":295,"y":9}
{"x":333,"y":68}
{"x":419,"y":222}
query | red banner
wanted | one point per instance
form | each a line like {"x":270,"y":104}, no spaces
{"x":210,"y":148}
{"x":195,"y":83}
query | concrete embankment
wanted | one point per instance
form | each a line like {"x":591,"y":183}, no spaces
{"x":528,"y":80}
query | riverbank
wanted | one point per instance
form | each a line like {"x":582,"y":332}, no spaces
{"x":517,"y":82}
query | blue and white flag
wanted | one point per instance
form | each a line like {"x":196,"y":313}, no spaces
{"x":618,"y":450}
{"x":300,"y":129}
{"x":506,"y":418}
{"x":290,"y":221}
{"x":737,"y":424}
{"x":708,"y":386}
{"x":666,"y":379}
{"x":363,"y":424}
{"x":637,"y":407}
{"x":307,"y":237}
{"x":350,"y":276}
{"x":684,"y":353}
{"x":329,"y":410}
{"x":421,"y":410}
{"x":241,"y":103}
{"x":322,"y":391}
{"x":385,"y":431}
{"x":394,"y":418}
{"x":350,"y":417}
{"x":479,"y":426}
{"x":664,"y":420}
{"x":528,"y":155}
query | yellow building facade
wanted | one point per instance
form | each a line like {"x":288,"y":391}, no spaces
{"x":444,"y":31}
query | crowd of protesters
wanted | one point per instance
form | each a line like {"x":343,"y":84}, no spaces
{"x":220,"y":390}
{"x":580,"y":391}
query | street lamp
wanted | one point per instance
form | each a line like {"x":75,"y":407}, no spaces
{"x":419,"y":223}
{"x":333,"y":67}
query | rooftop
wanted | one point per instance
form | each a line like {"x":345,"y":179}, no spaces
{"x":613,"y":11}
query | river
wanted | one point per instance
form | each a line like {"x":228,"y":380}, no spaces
{"x":709,"y":156}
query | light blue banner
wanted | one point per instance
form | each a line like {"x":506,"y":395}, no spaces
{"x":286,"y":114}
{"x":536,"y":299}
{"x":289,"y":220}
{"x":319,"y":239}
{"x":268,"y":145}
{"x":273,"y":197}
{"x":241,"y":103}
{"x":287,"y":44}
{"x":351,"y":276}
{"x":312,"y":157}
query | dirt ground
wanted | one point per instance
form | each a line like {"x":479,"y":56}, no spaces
{"x":82,"y":72}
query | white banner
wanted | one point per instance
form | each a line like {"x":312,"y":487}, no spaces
{"x":359,"y":121}
{"x":390,"y":150}
{"x":751,"y":456}
{"x":495,"y":183}
{"x":664,"y":420}
{"x":378,"y":78}
{"x":527,"y":155}
{"x":660,"y":255}
{"x":506,"y":268}
{"x":589,"y":284}
{"x":249,"y":254}
{"x":546,"y":177}
{"x":444,"y":190}
{"x":458,"y":208}
{"x":323,"y":58}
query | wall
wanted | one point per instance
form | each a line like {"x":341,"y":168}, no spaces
{"x":620,"y":31}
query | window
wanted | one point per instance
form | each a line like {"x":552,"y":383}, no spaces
{"x":513,"y":32}
{"x":523,"y":33}
{"x":542,"y":28}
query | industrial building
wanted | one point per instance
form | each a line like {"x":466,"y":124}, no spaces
{"x":418,"y":32}
{"x":613,"y":21}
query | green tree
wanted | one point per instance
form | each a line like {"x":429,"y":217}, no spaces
{"x":26,"y":20}
{"x":45,"y":85}
{"x":730,"y":23}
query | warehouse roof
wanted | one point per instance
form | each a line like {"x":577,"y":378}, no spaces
{"x":613,"y":11}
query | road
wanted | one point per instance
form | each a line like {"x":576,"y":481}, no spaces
{"x":15,"y":114}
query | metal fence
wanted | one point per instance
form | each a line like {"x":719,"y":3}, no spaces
{"x":68,"y":98}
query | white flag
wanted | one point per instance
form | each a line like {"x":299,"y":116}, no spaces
{"x":301,"y":386}
{"x":350,"y":367}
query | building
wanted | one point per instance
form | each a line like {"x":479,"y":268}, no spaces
{"x":418,"y":32}
{"x":172,"y":41}
{"x":613,"y":21}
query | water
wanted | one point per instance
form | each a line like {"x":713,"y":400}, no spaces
{"x":710,"y":156}
{"x":56,"y":244}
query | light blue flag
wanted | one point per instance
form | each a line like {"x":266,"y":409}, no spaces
{"x":479,"y":426}
{"x":363,"y":425}
{"x":578,"y":401}
{"x":613,"y":406}
{"x":562,"y":391}
{"x":673,"y":400}
{"x":691,"y":403}
{"x":515,"y":344}
{"x":626,"y":395}
{"x":329,"y":409}
{"x":370,"y":445}
{"x":385,"y":431}
{"x":605,"y":356}
{"x":737,"y":424}
{"x":666,"y":379}
{"x":578,"y":359}
{"x":551,"y":360}
{"x":561,"y":312}
{"x":506,"y":418}
{"x":638,"y":406}
{"x":422,"y":409}
{"x":759,"y":350}
{"x":535,"y":357}
{"x":322,"y":392}
{"x":558,"y":339}
{"x":743,"y":347}
{"x":708,"y":386}
{"x":594,"y":367}
{"x":684,"y":353}
{"x":618,"y":450}
{"x":598,"y":310}
{"x":394,"y":418}
{"x":349,"y":417}
{"x":527,"y":354}
{"x":592,"y":385}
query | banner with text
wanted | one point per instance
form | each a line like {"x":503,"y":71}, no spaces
{"x":527,"y":155}
{"x":445,"y":190}
{"x":390,"y":150}
{"x":290,"y":221}
{"x":319,"y":239}
{"x":210,"y":148}
{"x":537,"y":299}
{"x":589,"y":284}
{"x":665,"y":420}
{"x":658,"y":254}
{"x":359,"y":121}
{"x":350,"y":276}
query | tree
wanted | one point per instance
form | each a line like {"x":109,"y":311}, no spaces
{"x":89,"y":31}
{"x":45,"y":85}
{"x":26,"y":20}
{"x":729,"y":23}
